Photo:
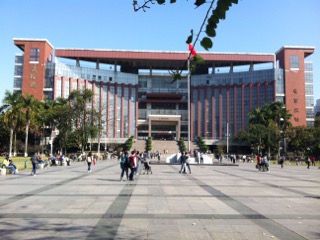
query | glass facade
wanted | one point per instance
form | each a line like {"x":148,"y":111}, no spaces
{"x":309,"y":93}
{"x":18,"y":72}
{"x":235,"y":94}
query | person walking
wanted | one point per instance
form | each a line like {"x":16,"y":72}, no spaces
{"x":137,"y":162}
{"x":89,"y":161}
{"x":183,"y":160}
{"x":124,"y":166}
{"x":281,"y":161}
{"x":266,"y":163}
{"x":308,"y":162}
{"x":132,"y":165}
{"x":188,"y":162}
{"x":34,"y":161}
{"x":258,"y":166}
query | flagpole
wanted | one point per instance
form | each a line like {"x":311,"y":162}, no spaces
{"x":188,"y":79}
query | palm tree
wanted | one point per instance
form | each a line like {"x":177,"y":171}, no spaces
{"x":79,"y":102}
{"x":30,"y":105}
{"x":12,"y":113}
{"x":257,"y":116}
{"x":45,"y":117}
{"x":280,"y":114}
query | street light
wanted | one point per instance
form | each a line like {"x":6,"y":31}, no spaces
{"x":282,"y":136}
{"x":227,"y":139}
{"x":189,"y":127}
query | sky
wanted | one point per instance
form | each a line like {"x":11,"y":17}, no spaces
{"x":251,"y":26}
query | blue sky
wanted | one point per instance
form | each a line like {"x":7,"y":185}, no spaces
{"x":256,"y":26}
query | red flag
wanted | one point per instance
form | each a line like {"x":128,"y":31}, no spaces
{"x":192,"y":50}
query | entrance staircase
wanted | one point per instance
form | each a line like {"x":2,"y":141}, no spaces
{"x":165,"y":147}
{"x":139,"y":145}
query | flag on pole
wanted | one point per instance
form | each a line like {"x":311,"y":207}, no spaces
{"x":192,"y":50}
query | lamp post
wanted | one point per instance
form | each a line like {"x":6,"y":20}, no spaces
{"x":188,"y":79}
{"x":227,"y":139}
{"x":281,"y":137}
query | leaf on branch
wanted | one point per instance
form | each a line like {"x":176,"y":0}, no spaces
{"x":198,"y":59}
{"x":190,"y":38}
{"x":198,"y":3}
{"x":224,"y":4}
{"x":177,"y":76}
{"x":221,"y":12}
{"x":193,"y":68}
{"x":172,"y":1}
{"x":206,"y":43}
{"x":210,"y":31}
{"x":214,"y":18}
{"x":161,"y":2}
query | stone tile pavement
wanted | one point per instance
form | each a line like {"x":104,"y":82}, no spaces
{"x":214,"y":202}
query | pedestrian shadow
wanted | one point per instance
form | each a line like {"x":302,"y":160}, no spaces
{"x":108,"y":179}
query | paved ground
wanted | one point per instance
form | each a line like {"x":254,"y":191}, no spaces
{"x":214,"y":202}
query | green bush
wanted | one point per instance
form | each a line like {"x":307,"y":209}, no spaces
{"x":182,"y":144}
{"x":149,"y":144}
{"x":202,"y":144}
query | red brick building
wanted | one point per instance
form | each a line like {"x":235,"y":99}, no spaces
{"x":136,"y":95}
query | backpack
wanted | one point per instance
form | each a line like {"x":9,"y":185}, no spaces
{"x":131,"y":161}
{"x":124,"y":161}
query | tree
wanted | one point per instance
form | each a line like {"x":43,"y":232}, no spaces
{"x":45,"y":118}
{"x":317,"y":122}
{"x":256,"y":135}
{"x":300,"y":139}
{"x":84,"y":117}
{"x":30,"y":105}
{"x":267,"y":128}
{"x":62,"y":120}
{"x":257,"y":116}
{"x":12,"y":114}
{"x":4,"y":134}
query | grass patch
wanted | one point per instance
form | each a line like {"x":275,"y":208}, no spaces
{"x":20,"y":162}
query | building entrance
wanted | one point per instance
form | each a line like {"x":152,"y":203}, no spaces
{"x":164,"y":127}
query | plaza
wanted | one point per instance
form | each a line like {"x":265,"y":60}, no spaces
{"x":214,"y":202}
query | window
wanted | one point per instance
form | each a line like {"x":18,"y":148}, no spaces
{"x":18,"y":70}
{"x":34,"y":54}
{"x":142,"y":105}
{"x":294,"y":62}
{"x":308,"y":66}
{"x":143,"y":84}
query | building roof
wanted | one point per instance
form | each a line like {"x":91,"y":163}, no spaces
{"x":31,"y":40}
{"x":160,"y":59}
{"x":308,"y":50}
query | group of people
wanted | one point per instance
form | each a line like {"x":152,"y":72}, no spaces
{"x":262,"y":163}
{"x":311,"y":161}
{"x":133,"y":162}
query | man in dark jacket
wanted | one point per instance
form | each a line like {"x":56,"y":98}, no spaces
{"x":34,"y":162}
{"x":183,"y":160}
